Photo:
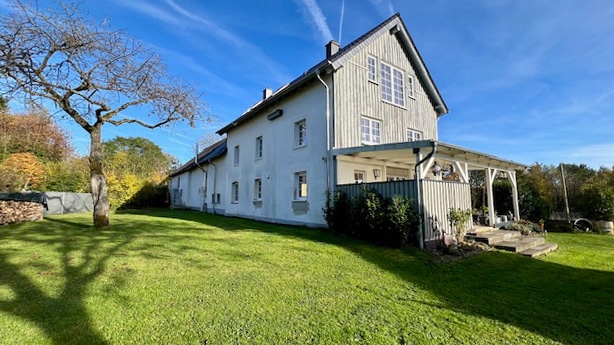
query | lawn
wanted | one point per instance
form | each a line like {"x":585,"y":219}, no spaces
{"x":181,"y":277}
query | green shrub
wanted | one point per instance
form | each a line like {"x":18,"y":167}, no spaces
{"x":385,"y":221}
{"x":369,"y":216}
{"x":149,"y":196}
{"x":459,"y":219}
{"x":338,"y":213}
{"x":402,"y":223}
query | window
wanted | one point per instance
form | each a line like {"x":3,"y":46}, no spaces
{"x":300,"y":185}
{"x":236,"y":158}
{"x":393,"y":89}
{"x":300,"y":133}
{"x":413,"y":135}
{"x":370,"y":131}
{"x":411,"y":90}
{"x":372,"y":69}
{"x":235,"y":192}
{"x":259,"y":146}
{"x":258,"y":189}
{"x":359,"y":176}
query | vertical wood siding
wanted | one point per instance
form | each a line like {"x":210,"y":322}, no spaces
{"x":355,"y":96}
{"x":439,"y":197}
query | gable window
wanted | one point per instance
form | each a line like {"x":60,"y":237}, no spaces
{"x":392,"y":84}
{"x":370,"y":131}
{"x":258,"y":189}
{"x":236,"y":157}
{"x":300,"y":133}
{"x":235,"y":192}
{"x":411,"y":90}
{"x":413,"y":135}
{"x":300,"y":185}
{"x":372,"y":69}
{"x":259,"y":145}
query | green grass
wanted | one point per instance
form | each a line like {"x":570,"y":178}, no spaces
{"x":180,"y":277}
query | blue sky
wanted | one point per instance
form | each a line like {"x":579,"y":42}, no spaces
{"x":525,"y":80}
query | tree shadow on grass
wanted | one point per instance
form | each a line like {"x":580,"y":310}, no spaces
{"x":83,"y":253}
{"x":566,"y":304}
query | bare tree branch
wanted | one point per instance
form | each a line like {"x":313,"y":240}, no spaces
{"x":91,"y":73}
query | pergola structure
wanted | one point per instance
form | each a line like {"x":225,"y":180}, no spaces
{"x":426,"y":156}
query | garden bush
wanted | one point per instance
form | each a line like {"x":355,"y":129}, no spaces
{"x":384,"y":221}
{"x":150,"y":195}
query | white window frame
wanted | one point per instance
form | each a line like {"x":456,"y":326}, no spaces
{"x":300,"y":186}
{"x":234,"y":192}
{"x":372,"y":68}
{"x":259,"y":147}
{"x":258,"y":189}
{"x":236,"y":155}
{"x":370,"y":131}
{"x":358,"y":174}
{"x":411,"y":86}
{"x":413,"y":135}
{"x":300,"y":133}
{"x":392,"y":84}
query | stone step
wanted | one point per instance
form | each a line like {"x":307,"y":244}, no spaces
{"x":492,"y":237}
{"x":519,"y":244}
{"x":540,"y":250}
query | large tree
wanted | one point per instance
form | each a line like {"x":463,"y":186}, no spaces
{"x":92,"y":74}
{"x":141,"y":157}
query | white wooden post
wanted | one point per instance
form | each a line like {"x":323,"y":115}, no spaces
{"x":511,"y":175}
{"x":490,"y":179}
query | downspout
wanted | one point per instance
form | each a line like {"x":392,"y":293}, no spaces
{"x":204,"y":185}
{"x":213,"y":200}
{"x":418,"y":191}
{"x":328,"y":157}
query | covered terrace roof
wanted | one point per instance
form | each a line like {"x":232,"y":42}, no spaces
{"x":403,"y":153}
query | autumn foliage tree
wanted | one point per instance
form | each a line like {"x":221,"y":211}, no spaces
{"x":92,"y":74}
{"x":20,"y":171}
{"x":33,"y":132}
{"x":132,"y":165}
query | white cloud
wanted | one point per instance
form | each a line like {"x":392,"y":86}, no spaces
{"x":318,"y":18}
{"x":179,"y":17}
{"x":152,"y":11}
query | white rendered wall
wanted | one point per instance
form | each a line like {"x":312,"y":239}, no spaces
{"x":280,"y":161}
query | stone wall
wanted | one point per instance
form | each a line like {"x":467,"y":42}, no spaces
{"x":19,"y":211}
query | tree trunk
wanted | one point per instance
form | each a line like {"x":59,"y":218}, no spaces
{"x":98,"y":182}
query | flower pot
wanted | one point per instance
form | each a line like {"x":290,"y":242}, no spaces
{"x":604,"y":227}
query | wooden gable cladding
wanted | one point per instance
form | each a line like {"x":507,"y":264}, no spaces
{"x":355,"y":96}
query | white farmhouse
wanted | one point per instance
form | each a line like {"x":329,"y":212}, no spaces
{"x":365,"y":116}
